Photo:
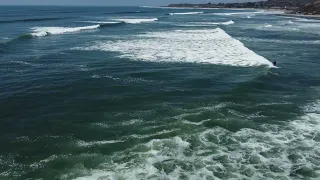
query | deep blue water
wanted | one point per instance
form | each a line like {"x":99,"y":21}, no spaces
{"x":155,"y":93}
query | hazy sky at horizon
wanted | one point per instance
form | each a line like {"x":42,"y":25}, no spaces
{"x":109,"y":2}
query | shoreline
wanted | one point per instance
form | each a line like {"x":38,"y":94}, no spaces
{"x":281,"y":12}
{"x":300,"y":15}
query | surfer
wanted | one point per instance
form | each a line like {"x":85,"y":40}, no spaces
{"x":275,"y":63}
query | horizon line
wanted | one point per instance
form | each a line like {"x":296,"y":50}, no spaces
{"x":69,"y":5}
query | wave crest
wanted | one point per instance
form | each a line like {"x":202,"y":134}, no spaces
{"x":44,"y":31}
{"x":217,"y":23}
{"x":136,"y":21}
{"x":192,"y":46}
{"x":185,"y":13}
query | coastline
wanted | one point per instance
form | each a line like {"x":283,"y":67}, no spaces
{"x":300,"y":15}
{"x":279,"y":12}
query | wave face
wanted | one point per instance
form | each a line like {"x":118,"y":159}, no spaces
{"x":45,"y":31}
{"x":191,"y":46}
{"x":185,"y":13}
{"x":136,"y":21}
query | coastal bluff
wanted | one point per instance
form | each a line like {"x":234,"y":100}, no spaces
{"x":308,"y":7}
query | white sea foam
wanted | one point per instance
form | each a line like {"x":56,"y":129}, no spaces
{"x":273,"y":152}
{"x":196,"y":123}
{"x":185,"y":13}
{"x":26,"y":63}
{"x":143,"y":136}
{"x":95,"y":143}
{"x":96,"y":76}
{"x":248,"y":13}
{"x":126,"y":79}
{"x":102,"y":125}
{"x":307,"y":20}
{"x":216,"y":23}
{"x":212,"y":46}
{"x":136,"y":21}
{"x":267,"y":25}
{"x":82,"y":67}
{"x":41,"y":163}
{"x":101,"y":22}
{"x":280,"y":41}
{"x":193,"y":25}
{"x":132,"y":122}
{"x":224,"y":23}
{"x":44,"y":31}
{"x":239,"y":13}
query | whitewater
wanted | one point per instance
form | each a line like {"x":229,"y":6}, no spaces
{"x":117,"y":93}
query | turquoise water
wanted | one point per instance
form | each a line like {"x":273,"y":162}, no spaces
{"x":151,"y":93}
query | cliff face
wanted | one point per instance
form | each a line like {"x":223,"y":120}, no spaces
{"x":290,"y":3}
{"x":311,"y":8}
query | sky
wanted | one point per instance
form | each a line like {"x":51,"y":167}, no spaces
{"x":109,"y":2}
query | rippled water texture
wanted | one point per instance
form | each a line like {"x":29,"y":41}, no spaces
{"x":155,"y":93}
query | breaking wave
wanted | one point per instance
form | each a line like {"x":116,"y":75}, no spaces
{"x":102,"y":22}
{"x":238,"y":13}
{"x":45,"y":31}
{"x":267,"y":25}
{"x":192,"y":46}
{"x":248,"y":13}
{"x":136,"y":21}
{"x":185,"y":13}
{"x":280,"y":41}
{"x":217,"y":23}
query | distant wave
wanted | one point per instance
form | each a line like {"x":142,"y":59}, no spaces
{"x":218,"y":23}
{"x":101,"y":22}
{"x":228,"y":23}
{"x":185,"y":13}
{"x":127,"y":12}
{"x":238,"y":13}
{"x":136,"y":21}
{"x":45,"y":31}
{"x":308,"y":20}
{"x":267,"y":25}
{"x":29,"y":20}
{"x":200,"y":24}
{"x":279,"y":41}
{"x":105,"y":23}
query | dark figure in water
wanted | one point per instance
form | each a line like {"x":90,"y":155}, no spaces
{"x":275,"y":63}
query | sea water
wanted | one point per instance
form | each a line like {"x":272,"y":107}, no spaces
{"x":158,"y":93}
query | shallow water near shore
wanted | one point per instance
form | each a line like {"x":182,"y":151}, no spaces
{"x":155,"y":93}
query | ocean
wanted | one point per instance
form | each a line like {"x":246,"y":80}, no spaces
{"x":121,"y":93}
